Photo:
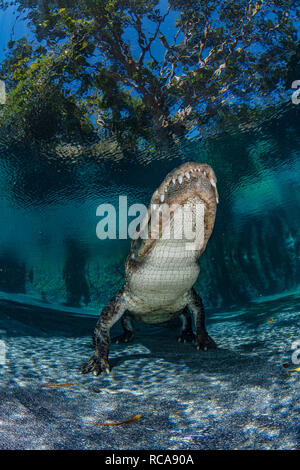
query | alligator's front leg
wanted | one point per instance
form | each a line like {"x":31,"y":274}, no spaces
{"x":203,"y":340}
{"x":187,"y":334}
{"x":109,"y":316}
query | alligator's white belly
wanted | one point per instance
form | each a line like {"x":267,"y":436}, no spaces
{"x":164,"y":281}
{"x":160,"y":286}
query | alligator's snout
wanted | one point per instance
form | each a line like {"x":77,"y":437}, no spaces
{"x":190,"y":185}
{"x":189,"y":179}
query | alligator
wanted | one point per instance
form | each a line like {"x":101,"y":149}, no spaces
{"x":160,"y":270}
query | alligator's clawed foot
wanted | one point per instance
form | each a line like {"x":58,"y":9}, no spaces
{"x":205,"y":342}
{"x":96,"y":365}
{"x":186,"y":336}
{"x":124,"y":338}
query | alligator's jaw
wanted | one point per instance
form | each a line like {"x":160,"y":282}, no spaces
{"x":185,"y":181}
{"x":160,"y":272}
{"x":189,"y":182}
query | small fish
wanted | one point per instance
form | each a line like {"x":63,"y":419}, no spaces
{"x":207,"y":398}
{"x":289,"y":372}
{"x":271,"y":320}
{"x":130,"y":420}
{"x":58,"y":385}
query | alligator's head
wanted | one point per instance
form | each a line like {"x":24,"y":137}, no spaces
{"x":187,"y":185}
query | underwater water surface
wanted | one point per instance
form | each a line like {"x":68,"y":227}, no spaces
{"x":50,"y":251}
{"x":56,"y":275}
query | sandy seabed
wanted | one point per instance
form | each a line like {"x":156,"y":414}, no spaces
{"x":236,"y":397}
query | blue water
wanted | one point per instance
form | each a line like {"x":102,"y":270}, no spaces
{"x":56,"y":276}
{"x":239,"y":396}
{"x":49,"y":218}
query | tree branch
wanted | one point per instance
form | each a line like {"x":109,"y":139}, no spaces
{"x":147,"y":48}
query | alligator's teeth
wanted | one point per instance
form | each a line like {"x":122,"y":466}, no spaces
{"x":162,"y":197}
{"x":217,"y":199}
{"x":191,"y":170}
{"x":180,"y":179}
{"x":173,"y":180}
{"x":166,"y":190}
{"x":154,"y":206}
{"x":187,"y":175}
{"x":213,"y":183}
{"x":198,"y":169}
{"x":204,"y":172}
